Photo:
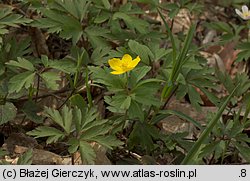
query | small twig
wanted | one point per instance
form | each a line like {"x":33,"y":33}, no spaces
{"x":64,"y":102}
{"x":63,"y":90}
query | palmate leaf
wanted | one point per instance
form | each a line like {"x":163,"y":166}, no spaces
{"x":244,"y":150}
{"x":89,"y":116}
{"x":132,"y":22}
{"x":22,"y":63}
{"x":97,"y":36}
{"x":66,"y":65}
{"x":11,"y":48}
{"x":50,"y":79}
{"x":64,"y":17}
{"x":99,"y":55}
{"x":87,"y":152}
{"x":53,"y":134}
{"x":194,"y":98}
{"x":77,"y":8}
{"x":102,"y":76}
{"x":138,"y":73}
{"x":56,"y":22}
{"x":8,"y":112}
{"x":8,"y":18}
{"x":25,"y":79}
{"x":145,"y":88}
{"x":135,"y":111}
{"x":109,"y":141}
{"x":142,"y":50}
{"x":106,"y":4}
{"x":143,"y":134}
{"x":244,"y":53}
{"x":64,"y":118}
{"x":31,"y":110}
{"x":119,"y":102}
{"x":73,"y":145}
{"x":95,"y":131}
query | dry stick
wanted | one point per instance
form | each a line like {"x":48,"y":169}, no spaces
{"x":63,"y":90}
{"x":64,"y":102}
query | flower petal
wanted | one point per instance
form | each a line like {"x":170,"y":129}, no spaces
{"x":115,"y":63}
{"x":133,"y":63}
{"x":126,"y":58}
{"x":239,"y":13}
{"x":118,"y":72}
{"x":244,"y":9}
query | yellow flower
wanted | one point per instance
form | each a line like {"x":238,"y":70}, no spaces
{"x":123,"y":65}
{"x":245,"y":14}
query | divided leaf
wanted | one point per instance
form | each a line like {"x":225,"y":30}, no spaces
{"x":53,"y":134}
{"x":25,"y":79}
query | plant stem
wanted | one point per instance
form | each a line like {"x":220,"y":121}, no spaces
{"x":89,"y":97}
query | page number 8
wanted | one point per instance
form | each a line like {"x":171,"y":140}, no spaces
{"x":243,"y":173}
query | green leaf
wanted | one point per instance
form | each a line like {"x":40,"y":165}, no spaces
{"x":9,"y":18}
{"x":64,"y":65}
{"x":143,"y":134}
{"x":194,"y":98}
{"x":142,"y":50}
{"x":22,"y":63}
{"x":21,"y":80}
{"x":7,"y":112}
{"x":77,"y":100}
{"x":208,"y":149}
{"x":31,"y":109}
{"x":58,"y":22}
{"x":77,"y":8}
{"x":97,"y":36}
{"x":135,"y":111}
{"x":220,"y":26}
{"x":87,"y":152}
{"x":53,"y":134}
{"x":63,"y":118}
{"x":45,"y":60}
{"x":95,"y":131}
{"x":132,"y":22}
{"x":108,"y":141}
{"x":170,"y":34}
{"x":144,"y":89}
{"x":106,"y":4}
{"x":26,"y":158}
{"x":90,"y":119}
{"x":244,"y":151}
{"x":126,"y":103}
{"x":13,"y":48}
{"x":178,"y":62}
{"x":140,"y":72}
{"x":103,"y":76}
{"x":50,"y":79}
{"x":73,"y":145}
{"x":77,"y":119}
{"x":99,"y":54}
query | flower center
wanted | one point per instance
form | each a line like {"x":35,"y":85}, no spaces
{"x":246,"y":14}
{"x":125,"y":65}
